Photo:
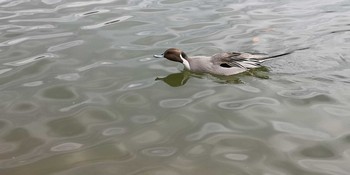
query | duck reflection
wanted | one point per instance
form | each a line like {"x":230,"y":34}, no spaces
{"x":176,"y":79}
{"x":181,"y":78}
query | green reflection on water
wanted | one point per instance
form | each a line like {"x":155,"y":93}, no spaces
{"x":181,"y":78}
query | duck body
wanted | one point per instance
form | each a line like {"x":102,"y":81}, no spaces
{"x":226,"y":63}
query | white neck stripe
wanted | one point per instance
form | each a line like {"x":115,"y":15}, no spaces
{"x":185,"y":63}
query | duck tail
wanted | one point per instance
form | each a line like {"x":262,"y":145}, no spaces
{"x":283,"y":54}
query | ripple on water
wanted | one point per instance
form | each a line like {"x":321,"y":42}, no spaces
{"x":341,"y":111}
{"x":248,"y":88}
{"x":92,"y":98}
{"x":317,"y":152}
{"x":65,"y":45}
{"x":7,"y":147}
{"x":195,"y":26}
{"x":236,"y":156}
{"x":302,"y":93}
{"x":65,"y":127}
{"x":208,"y":128}
{"x":143,"y":119}
{"x":58,"y":93}
{"x":242,"y":104}
{"x":66,"y":147}
{"x":51,"y":1}
{"x":33,"y":84}
{"x":335,"y":167}
{"x":203,"y":93}
{"x":8,"y":97}
{"x":3,"y":124}
{"x":138,"y":84}
{"x":2,"y":71}
{"x":153,"y":40}
{"x":132,"y":99}
{"x":114,"y":131}
{"x":299,"y":131}
{"x":232,"y":148}
{"x":38,"y":68}
{"x":35,"y":37}
{"x":93,"y":12}
{"x":147,"y":137}
{"x":156,"y":171}
{"x":98,"y":115}
{"x":30,"y":60}
{"x":23,"y":107}
{"x":93,"y":65}
{"x":106,"y":23}
{"x":159,"y":151}
{"x":23,"y":142}
{"x":68,"y":77}
{"x":175,"y":103}
{"x":59,"y":163}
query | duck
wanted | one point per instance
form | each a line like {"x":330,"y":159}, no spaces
{"x":225,"y":63}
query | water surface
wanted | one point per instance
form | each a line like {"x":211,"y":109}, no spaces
{"x":80,"y":92}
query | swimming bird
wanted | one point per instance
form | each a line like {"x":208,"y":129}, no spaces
{"x":226,"y":63}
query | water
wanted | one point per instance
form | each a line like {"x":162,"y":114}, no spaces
{"x":80,"y":92}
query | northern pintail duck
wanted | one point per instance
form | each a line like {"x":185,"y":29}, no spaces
{"x":226,"y":63}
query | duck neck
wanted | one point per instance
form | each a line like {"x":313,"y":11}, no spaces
{"x":185,"y":63}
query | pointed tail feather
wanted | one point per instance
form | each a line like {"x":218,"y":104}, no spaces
{"x":265,"y":57}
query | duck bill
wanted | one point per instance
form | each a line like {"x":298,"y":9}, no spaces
{"x":158,"y":56}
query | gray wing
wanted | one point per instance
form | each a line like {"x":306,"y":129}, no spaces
{"x":237,"y":56}
{"x":236,"y":59}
